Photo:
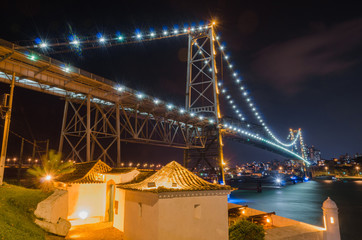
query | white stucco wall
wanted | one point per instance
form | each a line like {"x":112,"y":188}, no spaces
{"x":193,"y":218}
{"x":140,"y":216}
{"x":118,"y":221}
{"x":121,"y":177}
{"x":176,"y":218}
{"x":86,"y":197}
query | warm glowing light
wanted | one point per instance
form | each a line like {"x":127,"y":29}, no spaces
{"x":332,"y":220}
{"x":48,"y":177}
{"x":83,"y":214}
{"x":75,"y":42}
{"x":268,"y":220}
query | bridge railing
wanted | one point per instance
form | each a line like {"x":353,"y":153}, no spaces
{"x":52,"y":61}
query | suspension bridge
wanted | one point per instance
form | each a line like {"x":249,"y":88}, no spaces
{"x":99,"y":113}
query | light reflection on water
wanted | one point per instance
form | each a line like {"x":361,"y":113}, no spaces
{"x":303,"y":202}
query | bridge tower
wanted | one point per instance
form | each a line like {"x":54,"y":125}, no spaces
{"x":202,"y":98}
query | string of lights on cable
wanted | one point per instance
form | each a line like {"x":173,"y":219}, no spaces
{"x":246,"y":96}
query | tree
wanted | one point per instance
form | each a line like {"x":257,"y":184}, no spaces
{"x":246,"y":230}
{"x":51,"y":168}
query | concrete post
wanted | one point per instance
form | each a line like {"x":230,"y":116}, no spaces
{"x":331,"y":222}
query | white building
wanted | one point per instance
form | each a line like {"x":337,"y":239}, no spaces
{"x":172,"y":203}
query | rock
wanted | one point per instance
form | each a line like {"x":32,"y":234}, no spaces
{"x":61,"y":228}
{"x":54,"y":207}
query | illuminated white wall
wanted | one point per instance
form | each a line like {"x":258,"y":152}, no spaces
{"x":185,"y":217}
{"x":89,"y":198}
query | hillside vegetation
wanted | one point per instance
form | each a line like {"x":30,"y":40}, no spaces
{"x":17,"y":205}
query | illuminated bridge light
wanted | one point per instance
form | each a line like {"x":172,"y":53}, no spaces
{"x":43,"y":45}
{"x":140,"y":96}
{"x":120,"y":88}
{"x":75,"y":42}
{"x":32,"y":57}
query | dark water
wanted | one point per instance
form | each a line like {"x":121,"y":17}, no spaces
{"x":303,"y":202}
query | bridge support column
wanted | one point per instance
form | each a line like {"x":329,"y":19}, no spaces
{"x":221,"y":158}
{"x":61,"y":140}
{"x":4,"y":145}
{"x":88,"y":130}
{"x":118,"y":129}
{"x":202,"y":98}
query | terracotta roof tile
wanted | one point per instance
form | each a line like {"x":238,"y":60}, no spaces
{"x":88,"y":172}
{"x":173,"y":177}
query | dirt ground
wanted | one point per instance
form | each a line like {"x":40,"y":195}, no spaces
{"x":91,"y":232}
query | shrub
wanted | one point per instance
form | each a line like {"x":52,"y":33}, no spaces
{"x":52,"y":167}
{"x":246,"y":230}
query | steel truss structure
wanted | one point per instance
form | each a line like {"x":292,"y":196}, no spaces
{"x":97,"y":114}
{"x":91,"y":129}
{"x":202,"y":96}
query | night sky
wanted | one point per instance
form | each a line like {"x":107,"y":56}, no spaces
{"x":302,"y":63}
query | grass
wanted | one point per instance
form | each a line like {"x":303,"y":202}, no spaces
{"x":17,"y":205}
